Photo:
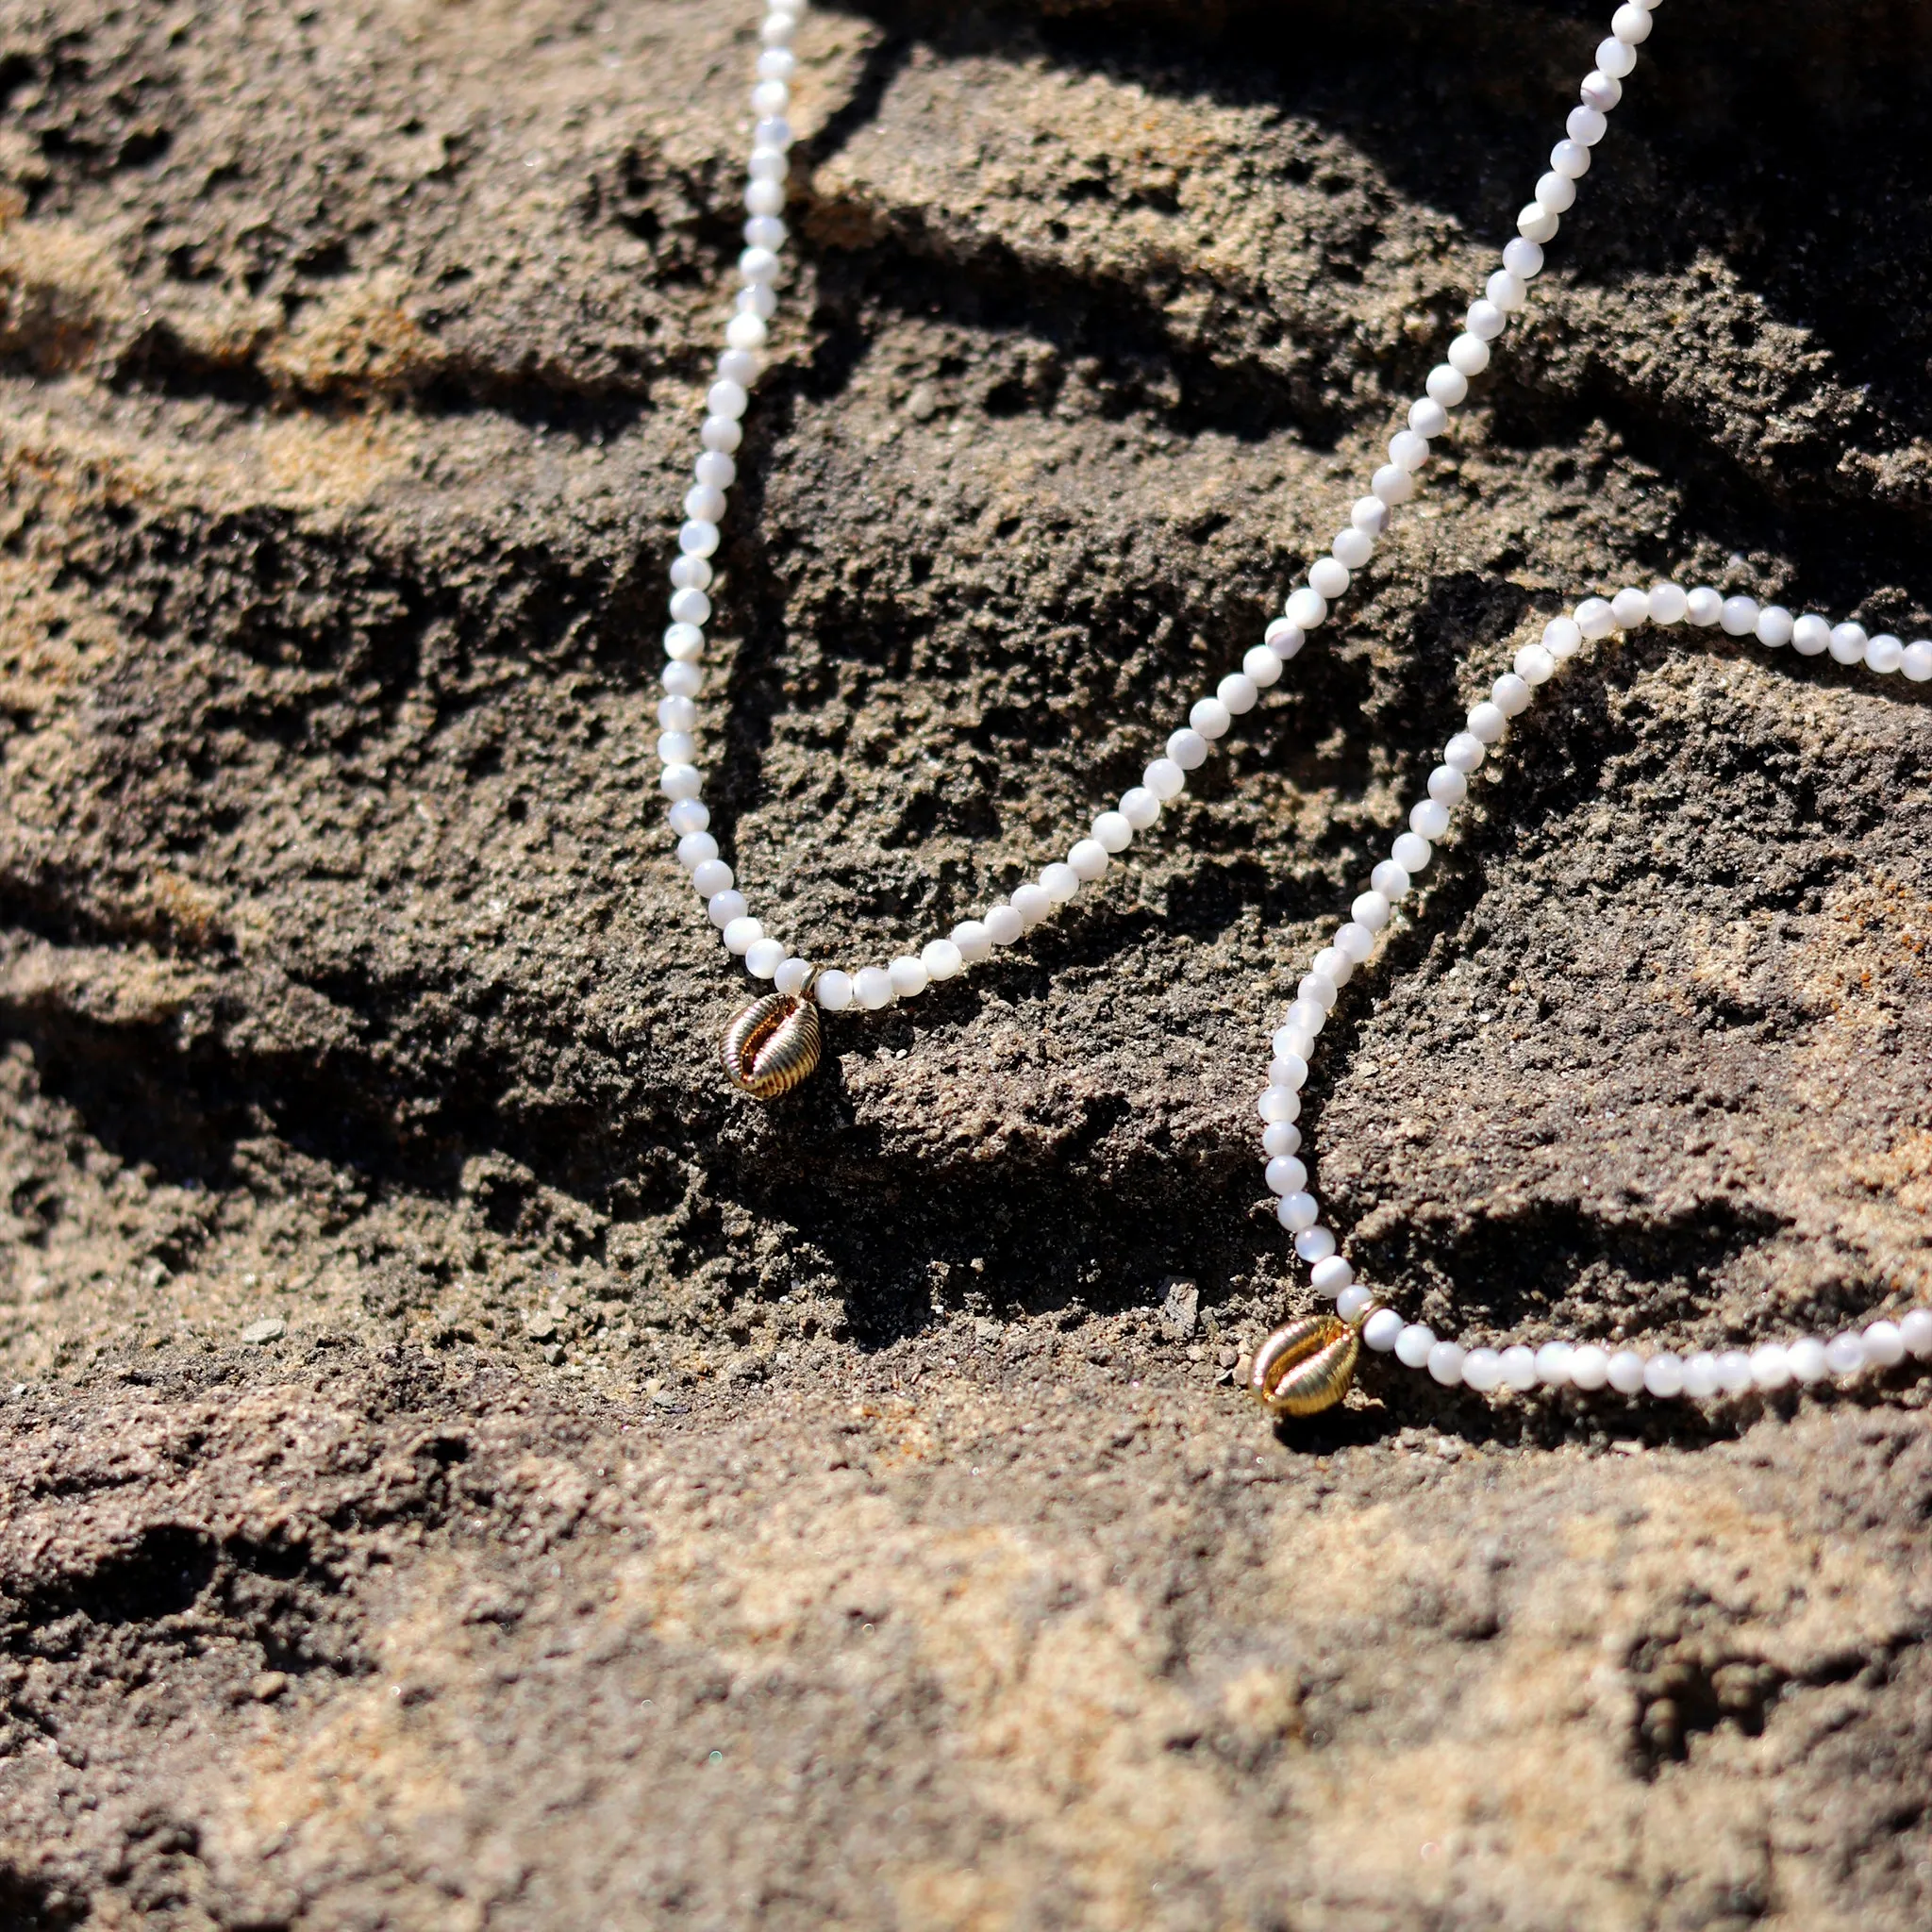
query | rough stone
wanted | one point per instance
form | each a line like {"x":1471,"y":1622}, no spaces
{"x":656,"y":1509}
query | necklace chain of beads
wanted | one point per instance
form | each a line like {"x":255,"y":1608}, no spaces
{"x":1308,"y":1364}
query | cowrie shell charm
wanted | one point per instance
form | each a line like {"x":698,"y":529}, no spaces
{"x":1305,"y":1366}
{"x":771,"y":1046}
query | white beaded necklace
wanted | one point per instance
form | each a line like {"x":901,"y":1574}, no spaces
{"x":1308,"y":1364}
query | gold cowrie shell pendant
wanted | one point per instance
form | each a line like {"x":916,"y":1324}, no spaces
{"x":1305,"y":1366}
{"x":771,"y":1046}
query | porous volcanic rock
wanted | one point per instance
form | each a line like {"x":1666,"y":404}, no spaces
{"x":463,"y":1466}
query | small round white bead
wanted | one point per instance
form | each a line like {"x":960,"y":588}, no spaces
{"x":1519,"y":1368}
{"x":1571,"y":159}
{"x":1811,"y":635}
{"x":1486,"y":724}
{"x":1485,"y":321}
{"x":1615,"y":58}
{"x":1668,"y":603}
{"x":741,"y":932}
{"x":1885,"y":1346}
{"x":1314,"y":1244}
{"x":1413,"y":1343}
{"x":1524,"y":257}
{"x":1626,"y":1372}
{"x":1392,"y":484}
{"x":1307,"y":608}
{"x":1845,"y":1354}
{"x":1297,"y":1211}
{"x":973,"y":941}
{"x":1589,"y":1367}
{"x":909,"y":976}
{"x":792,"y":976}
{"x":1848,"y":641}
{"x":1285,"y":1174}
{"x":941,"y":958}
{"x":833,"y":991}
{"x":1088,"y":861}
{"x":1739,"y":616}
{"x":1510,"y":695}
{"x":1411,"y":852}
{"x":1032,"y":902}
{"x":1601,"y":90}
{"x":1061,"y":881}
{"x":1381,"y":1329}
{"x":1663,"y":1376}
{"x":1331,"y":1277}
{"x":1211,"y":718}
{"x":1187,"y":749}
{"x":1482,"y":1370}
{"x":1328,"y":578}
{"x":763,"y":957}
{"x":1428,"y":418}
{"x":1446,"y":1361}
{"x":1003,"y":926}
{"x":1562,"y":638}
{"x":1630,"y":606}
{"x":1537,"y":223}
{"x":872,"y":987}
{"x":1112,"y":833}
{"x":1595,"y":619}
{"x":1585,"y":124}
{"x":1806,"y":1358}
{"x":1353,"y":547}
{"x":1407,"y":451}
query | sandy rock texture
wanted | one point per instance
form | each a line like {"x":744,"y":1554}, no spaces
{"x":463,"y":1468}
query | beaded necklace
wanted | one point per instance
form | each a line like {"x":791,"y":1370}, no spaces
{"x":1308,"y":1364}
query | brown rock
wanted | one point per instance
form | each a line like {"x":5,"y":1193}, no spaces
{"x":660,"y":1508}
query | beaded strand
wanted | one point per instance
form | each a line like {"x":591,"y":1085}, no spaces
{"x":1210,"y":718}
{"x":1560,"y":1363}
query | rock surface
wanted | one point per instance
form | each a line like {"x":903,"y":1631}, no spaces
{"x":462,"y":1467}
